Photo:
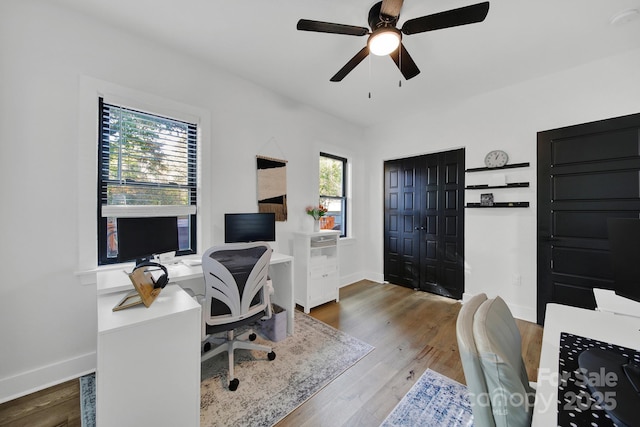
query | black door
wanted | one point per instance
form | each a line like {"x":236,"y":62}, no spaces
{"x":424,"y":223}
{"x":586,"y":174}
{"x":402,"y":221}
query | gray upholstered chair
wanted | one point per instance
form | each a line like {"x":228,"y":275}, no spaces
{"x":478,"y":393}
{"x":491,"y":353}
{"x":235,"y":295}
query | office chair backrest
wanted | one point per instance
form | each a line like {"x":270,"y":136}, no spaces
{"x":499,"y":346}
{"x":476,"y":384}
{"x":235,"y":276}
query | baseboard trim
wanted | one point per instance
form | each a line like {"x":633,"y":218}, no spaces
{"x":351,"y":278}
{"x":356,"y":277}
{"x":47,"y":376}
{"x":374,"y":277}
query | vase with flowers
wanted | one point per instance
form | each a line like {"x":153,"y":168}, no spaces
{"x":316,"y":212}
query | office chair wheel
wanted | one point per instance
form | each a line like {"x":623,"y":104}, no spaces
{"x":271,"y":355}
{"x":233,"y":385}
{"x":252,"y":337}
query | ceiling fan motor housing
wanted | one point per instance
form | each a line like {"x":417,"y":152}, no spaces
{"x":377,"y":19}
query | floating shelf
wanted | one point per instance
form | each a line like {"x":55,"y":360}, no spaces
{"x":486,"y":186}
{"x":515,"y":165}
{"x":500,"y":205}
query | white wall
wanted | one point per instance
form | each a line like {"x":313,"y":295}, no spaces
{"x":47,"y":316}
{"x":500,"y":244}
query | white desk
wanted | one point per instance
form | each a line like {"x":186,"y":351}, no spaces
{"x":598,"y":325}
{"x":280,"y":271}
{"x":148,"y":361}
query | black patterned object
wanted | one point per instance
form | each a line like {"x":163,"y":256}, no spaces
{"x":576,"y":406}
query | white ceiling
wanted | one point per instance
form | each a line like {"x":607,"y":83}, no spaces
{"x":258,"y":40}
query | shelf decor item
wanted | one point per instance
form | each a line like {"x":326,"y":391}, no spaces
{"x":316,"y":212}
{"x":486,"y":199}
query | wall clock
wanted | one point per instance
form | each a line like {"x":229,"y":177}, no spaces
{"x":496,"y":159}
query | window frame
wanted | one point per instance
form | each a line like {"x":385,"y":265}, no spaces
{"x":343,"y":198}
{"x":144,"y":210}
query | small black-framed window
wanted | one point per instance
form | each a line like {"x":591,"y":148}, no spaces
{"x":333,"y":192}
{"x":147,"y":167}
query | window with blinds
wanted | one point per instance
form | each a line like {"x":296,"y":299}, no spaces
{"x":146,"y":168}
{"x":333,"y":192}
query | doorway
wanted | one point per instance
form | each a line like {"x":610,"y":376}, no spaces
{"x":424,"y":223}
{"x":586,"y":174}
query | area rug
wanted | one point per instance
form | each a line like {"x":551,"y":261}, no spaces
{"x":269,"y":390}
{"x":434,"y":401}
{"x":88,"y":400}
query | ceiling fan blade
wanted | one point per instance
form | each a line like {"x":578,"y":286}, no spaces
{"x":450,"y":18}
{"x":353,"y":62}
{"x":328,"y":27}
{"x":405,"y":63}
{"x":391,"y":7}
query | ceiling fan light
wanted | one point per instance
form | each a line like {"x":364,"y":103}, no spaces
{"x":384,"y":41}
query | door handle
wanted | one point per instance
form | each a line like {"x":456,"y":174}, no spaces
{"x":419,"y":228}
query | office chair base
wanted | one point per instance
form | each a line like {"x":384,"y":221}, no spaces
{"x":230,"y":344}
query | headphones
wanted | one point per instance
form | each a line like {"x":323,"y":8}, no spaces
{"x":162,"y":281}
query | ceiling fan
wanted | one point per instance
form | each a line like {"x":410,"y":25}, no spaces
{"x":386,"y":39}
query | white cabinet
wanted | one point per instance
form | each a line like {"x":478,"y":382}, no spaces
{"x":316,"y":272}
{"x":148,"y":371}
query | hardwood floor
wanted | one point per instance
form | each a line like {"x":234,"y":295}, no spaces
{"x":57,"y":406}
{"x":411,"y":331}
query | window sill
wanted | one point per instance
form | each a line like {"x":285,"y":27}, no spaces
{"x":344,"y":241}
{"x":90,"y":276}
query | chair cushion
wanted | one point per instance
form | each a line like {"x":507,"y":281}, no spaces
{"x":499,"y":346}
{"x":476,"y":384}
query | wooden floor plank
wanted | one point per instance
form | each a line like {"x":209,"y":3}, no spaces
{"x":52,"y":407}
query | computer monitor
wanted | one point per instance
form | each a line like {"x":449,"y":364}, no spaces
{"x":624,"y":241}
{"x":249,"y":227}
{"x":141,"y":238}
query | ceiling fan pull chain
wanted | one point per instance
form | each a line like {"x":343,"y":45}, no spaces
{"x":369,"y":59}
{"x":399,"y":64}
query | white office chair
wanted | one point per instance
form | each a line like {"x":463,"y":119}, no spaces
{"x":477,"y":386}
{"x":499,"y":347}
{"x":491,"y":353}
{"x":235,"y":295}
